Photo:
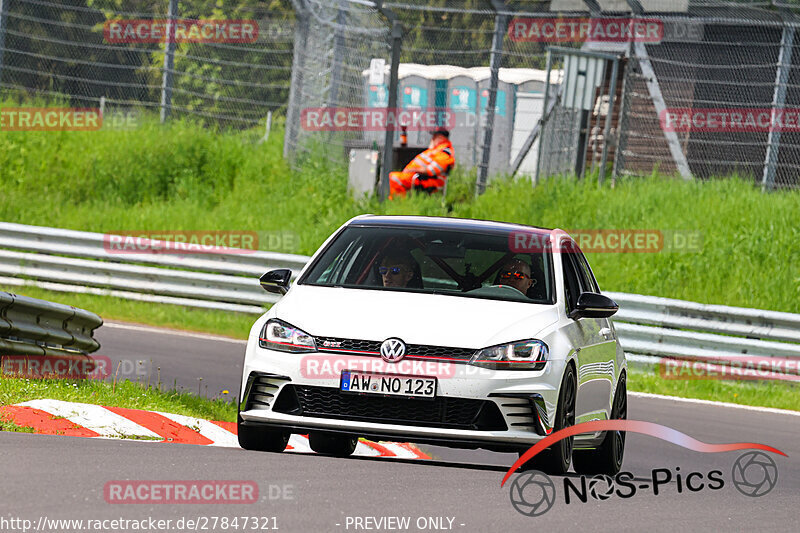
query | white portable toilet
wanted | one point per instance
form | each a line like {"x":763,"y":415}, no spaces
{"x":416,"y":93}
{"x":462,"y":101}
{"x":529,"y":110}
{"x":503,"y":123}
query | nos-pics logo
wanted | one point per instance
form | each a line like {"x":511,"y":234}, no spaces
{"x":753,"y":474}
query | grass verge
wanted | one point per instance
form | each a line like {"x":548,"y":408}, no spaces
{"x":180,"y":177}
{"x":121,"y":394}
{"x":778,"y":395}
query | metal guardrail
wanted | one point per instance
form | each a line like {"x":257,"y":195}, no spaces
{"x":652,"y":329}
{"x":29,"y":326}
{"x":226,"y":279}
{"x":649,"y":327}
{"x":744,"y":322}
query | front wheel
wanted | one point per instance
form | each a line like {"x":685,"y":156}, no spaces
{"x":557,"y":458}
{"x":261,"y":439}
{"x":607,"y":458}
{"x":332,"y":444}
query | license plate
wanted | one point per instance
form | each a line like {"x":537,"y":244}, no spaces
{"x":413,"y":386}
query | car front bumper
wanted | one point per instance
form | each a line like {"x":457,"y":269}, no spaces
{"x":523,"y":412}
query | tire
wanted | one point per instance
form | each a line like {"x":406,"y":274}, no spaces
{"x":261,"y":439}
{"x":557,"y":458}
{"x":332,"y":444}
{"x":607,"y":458}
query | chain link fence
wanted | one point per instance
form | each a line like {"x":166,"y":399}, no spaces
{"x":714,"y":92}
{"x":718,"y":96}
{"x":117,"y":55}
{"x":682,"y":100}
{"x":446,"y":53}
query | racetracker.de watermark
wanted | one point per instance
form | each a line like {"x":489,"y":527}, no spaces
{"x":180,"y":492}
{"x":72,"y":367}
{"x":375,"y":119}
{"x":736,"y":120}
{"x":609,"y":241}
{"x":581,"y":30}
{"x":50,"y":119}
{"x":54,"y":367}
{"x":180,"y":31}
{"x":738,"y":368}
{"x":331,"y":367}
{"x":181,"y":242}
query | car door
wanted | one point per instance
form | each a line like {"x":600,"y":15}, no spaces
{"x":597,"y":353}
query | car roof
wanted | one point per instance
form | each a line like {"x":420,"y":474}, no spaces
{"x":443,"y":223}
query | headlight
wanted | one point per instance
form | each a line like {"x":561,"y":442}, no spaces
{"x":278,"y":335}
{"x":532,"y":354}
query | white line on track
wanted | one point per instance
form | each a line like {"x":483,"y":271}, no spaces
{"x":165,"y":331}
{"x":712,"y":403}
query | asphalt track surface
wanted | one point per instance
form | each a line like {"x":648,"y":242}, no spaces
{"x":63,"y":477}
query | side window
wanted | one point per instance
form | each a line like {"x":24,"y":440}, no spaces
{"x":588,"y":282}
{"x":572,"y":287}
{"x":587,"y":272}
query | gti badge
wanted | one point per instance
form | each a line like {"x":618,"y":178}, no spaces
{"x":393,"y":350}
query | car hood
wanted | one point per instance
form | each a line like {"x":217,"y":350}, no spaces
{"x":413,"y":317}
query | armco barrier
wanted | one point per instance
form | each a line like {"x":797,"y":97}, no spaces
{"x":743,"y":322}
{"x":226,"y":279}
{"x":37,"y":328}
{"x":649,"y":327}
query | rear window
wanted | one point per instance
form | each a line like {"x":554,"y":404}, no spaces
{"x":433,"y":261}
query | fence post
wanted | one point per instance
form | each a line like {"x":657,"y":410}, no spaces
{"x":778,"y":101}
{"x":622,"y":125}
{"x":3,"y":18}
{"x":169,"y":62}
{"x":297,"y":84}
{"x":612,"y":95}
{"x":338,"y":52}
{"x":540,"y":155}
{"x":500,"y":28}
{"x":388,"y":142}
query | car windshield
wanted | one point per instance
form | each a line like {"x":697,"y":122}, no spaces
{"x":433,"y":261}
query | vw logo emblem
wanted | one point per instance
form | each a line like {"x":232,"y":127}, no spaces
{"x":392,"y":350}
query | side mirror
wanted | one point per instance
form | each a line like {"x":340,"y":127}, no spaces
{"x":593,"y":305}
{"x":276,"y":281}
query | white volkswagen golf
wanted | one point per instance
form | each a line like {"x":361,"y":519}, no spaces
{"x":445,"y":331}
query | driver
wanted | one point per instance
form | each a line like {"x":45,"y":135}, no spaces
{"x":397,"y":269}
{"x":516,"y":274}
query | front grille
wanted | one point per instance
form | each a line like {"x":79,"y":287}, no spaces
{"x":423,"y":350}
{"x":347,"y":345}
{"x":441,"y":412}
{"x":339,"y":345}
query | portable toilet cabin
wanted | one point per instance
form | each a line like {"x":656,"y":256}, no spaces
{"x":464,"y":92}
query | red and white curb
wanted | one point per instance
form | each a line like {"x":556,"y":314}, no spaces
{"x":57,"y":417}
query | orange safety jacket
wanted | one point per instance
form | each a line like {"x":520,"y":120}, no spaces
{"x":436,"y":162}
{"x":428,"y":170}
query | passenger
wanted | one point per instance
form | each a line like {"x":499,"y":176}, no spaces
{"x":397,"y":269}
{"x":516,"y":274}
